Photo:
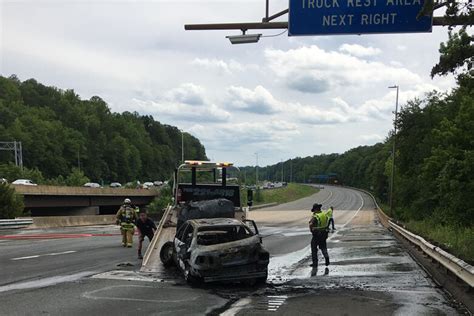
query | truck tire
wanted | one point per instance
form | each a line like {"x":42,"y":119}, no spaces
{"x":166,"y":254}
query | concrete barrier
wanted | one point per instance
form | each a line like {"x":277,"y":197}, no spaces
{"x":67,"y":221}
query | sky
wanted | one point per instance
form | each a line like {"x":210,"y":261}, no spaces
{"x":283,"y":97}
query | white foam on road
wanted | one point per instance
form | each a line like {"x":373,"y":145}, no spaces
{"x":281,"y":265}
{"x":43,"y":255}
{"x":39,"y":283}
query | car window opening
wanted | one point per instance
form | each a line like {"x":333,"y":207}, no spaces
{"x":215,"y":235}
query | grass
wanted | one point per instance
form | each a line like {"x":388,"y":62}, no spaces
{"x":286,"y":194}
{"x":457,"y":241}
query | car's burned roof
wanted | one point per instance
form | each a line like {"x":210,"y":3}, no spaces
{"x":215,"y":222}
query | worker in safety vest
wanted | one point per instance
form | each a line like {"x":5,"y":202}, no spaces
{"x":126,"y":218}
{"x":331,"y":219}
{"x":318,"y":225}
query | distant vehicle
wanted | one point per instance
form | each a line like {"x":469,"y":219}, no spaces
{"x":23,"y":182}
{"x":158,"y":183}
{"x":148,"y":185}
{"x":92,"y":185}
{"x":3,"y":180}
{"x":218,"y":249}
{"x":115,"y":185}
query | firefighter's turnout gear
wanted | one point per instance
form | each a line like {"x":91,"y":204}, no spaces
{"x":126,"y":218}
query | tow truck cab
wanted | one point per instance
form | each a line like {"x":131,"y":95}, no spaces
{"x":204,"y":180}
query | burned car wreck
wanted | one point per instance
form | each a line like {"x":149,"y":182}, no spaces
{"x":218,"y":249}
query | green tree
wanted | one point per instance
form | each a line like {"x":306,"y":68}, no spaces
{"x":11,"y":204}
{"x":76,"y":178}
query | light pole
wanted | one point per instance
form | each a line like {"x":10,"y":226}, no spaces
{"x":182,"y":147}
{"x":256,"y":169}
{"x":291,"y":170}
{"x":393,"y":148}
{"x":282,"y":171}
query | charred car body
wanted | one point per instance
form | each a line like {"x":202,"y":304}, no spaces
{"x":218,"y":249}
{"x":205,"y":233}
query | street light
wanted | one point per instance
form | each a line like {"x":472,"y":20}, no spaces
{"x":182,"y":146}
{"x":393,"y":148}
{"x":244,"y":38}
{"x":256,"y":170}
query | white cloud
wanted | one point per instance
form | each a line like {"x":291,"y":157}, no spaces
{"x":188,"y":93}
{"x":401,"y":48}
{"x":322,"y":70}
{"x":184,"y":103}
{"x":383,"y":107}
{"x":258,"y":100}
{"x":218,"y":64}
{"x":359,"y":50}
{"x":371,"y":138}
{"x":181,"y":112}
{"x":269,"y":133}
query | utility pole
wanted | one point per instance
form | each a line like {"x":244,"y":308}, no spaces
{"x":282,"y":171}
{"x":256,"y":169}
{"x":393,"y":149}
{"x":182,"y":147}
{"x":291,"y":170}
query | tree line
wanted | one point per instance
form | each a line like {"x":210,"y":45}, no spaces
{"x":434,"y":159}
{"x":68,"y":140}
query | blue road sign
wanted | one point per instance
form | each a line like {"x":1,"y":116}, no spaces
{"x":326,"y":17}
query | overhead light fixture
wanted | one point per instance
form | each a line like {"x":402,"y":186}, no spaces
{"x":244,"y":38}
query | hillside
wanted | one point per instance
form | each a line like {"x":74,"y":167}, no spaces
{"x":61,"y":132}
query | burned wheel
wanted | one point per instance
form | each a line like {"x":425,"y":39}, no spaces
{"x":166,"y":254}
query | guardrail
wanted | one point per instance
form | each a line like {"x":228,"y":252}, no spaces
{"x":15,"y":223}
{"x":458,"y":267}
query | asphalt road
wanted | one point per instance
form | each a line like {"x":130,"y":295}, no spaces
{"x":90,"y":273}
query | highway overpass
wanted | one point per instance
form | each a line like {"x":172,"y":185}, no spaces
{"x":45,"y":200}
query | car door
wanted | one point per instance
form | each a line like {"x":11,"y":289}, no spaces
{"x":253,"y":227}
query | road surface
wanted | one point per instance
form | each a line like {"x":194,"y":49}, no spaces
{"x":79,"y":271}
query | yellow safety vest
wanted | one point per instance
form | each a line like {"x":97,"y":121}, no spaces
{"x":322,"y":219}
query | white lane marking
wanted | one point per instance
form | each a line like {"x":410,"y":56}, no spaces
{"x":44,"y":255}
{"x":236,"y":307}
{"x":93,"y":295}
{"x":23,"y":258}
{"x":45,"y":281}
{"x":330,"y":195}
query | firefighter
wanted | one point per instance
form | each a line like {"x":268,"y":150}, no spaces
{"x":318,"y":226}
{"x":126,"y":217}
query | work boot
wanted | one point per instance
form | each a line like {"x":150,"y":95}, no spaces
{"x":129,"y":245}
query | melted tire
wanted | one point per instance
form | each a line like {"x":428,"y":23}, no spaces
{"x":166,"y":254}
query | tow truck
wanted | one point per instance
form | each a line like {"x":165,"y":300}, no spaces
{"x":204,"y":199}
